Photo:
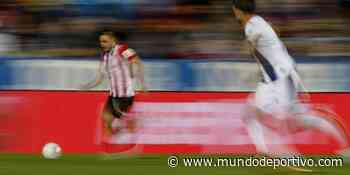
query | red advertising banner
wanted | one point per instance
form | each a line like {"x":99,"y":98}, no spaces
{"x":167,"y":122}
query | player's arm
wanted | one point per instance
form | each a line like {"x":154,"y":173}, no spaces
{"x":97,"y":80}
{"x":253,"y":33}
{"x":137,"y":71}
{"x":136,"y":66}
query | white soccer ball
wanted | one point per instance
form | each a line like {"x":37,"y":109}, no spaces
{"x":51,"y":151}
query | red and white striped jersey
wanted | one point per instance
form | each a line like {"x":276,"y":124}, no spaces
{"x":116,"y":65}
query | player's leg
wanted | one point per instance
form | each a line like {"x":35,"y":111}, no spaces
{"x":326,"y":123}
{"x":271,"y":101}
{"x":319,"y":119}
{"x":125,"y":106}
{"x":268,"y":133}
{"x":122,"y":117}
{"x":261,"y":109}
{"x":255,"y":129}
{"x":107,"y":115}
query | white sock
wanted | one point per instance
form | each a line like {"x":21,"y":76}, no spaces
{"x":256,"y":133}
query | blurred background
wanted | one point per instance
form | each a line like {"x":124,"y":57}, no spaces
{"x":168,"y":29}
{"x":187,"y":45}
{"x":197,"y":68}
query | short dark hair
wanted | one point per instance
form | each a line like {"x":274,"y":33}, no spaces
{"x":118,"y":35}
{"x":247,"y":6}
{"x":109,"y":33}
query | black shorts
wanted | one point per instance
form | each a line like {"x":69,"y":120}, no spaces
{"x":119,"y":105}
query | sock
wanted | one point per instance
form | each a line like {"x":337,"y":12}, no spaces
{"x":256,"y":133}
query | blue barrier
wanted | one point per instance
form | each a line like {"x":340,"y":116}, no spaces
{"x":320,"y":74}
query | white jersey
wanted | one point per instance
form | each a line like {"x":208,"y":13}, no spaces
{"x":278,"y":91}
{"x":270,"y":52}
{"x":116,"y":65}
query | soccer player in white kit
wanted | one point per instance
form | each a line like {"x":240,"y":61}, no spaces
{"x":121,"y":65}
{"x":276,"y":96}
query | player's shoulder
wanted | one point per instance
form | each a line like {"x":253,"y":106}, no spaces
{"x":125,"y":51}
{"x":256,"y":23}
{"x":121,"y":48}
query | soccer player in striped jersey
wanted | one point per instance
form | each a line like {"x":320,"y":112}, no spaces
{"x":276,"y":96}
{"x":121,"y":65}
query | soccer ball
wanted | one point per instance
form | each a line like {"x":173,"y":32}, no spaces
{"x":51,"y":151}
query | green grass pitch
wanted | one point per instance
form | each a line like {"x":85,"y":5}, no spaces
{"x":18,"y":164}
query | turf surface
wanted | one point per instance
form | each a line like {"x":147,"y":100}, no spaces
{"x":13,"y":164}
